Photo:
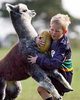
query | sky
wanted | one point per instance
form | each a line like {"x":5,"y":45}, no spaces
{"x":1,"y":1}
{"x":72,"y":6}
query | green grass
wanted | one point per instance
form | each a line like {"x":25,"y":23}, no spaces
{"x":29,"y":90}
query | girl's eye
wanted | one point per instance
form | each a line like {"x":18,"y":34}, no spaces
{"x":40,"y":37}
{"x":52,"y":29}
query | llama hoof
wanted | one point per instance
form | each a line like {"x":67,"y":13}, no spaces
{"x":70,"y":89}
{"x":60,"y":98}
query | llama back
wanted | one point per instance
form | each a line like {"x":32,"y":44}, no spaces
{"x":12,"y":66}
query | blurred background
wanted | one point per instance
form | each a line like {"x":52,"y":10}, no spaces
{"x":45,"y":9}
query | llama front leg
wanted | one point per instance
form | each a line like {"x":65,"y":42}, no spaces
{"x":41,"y":77}
{"x":61,"y":78}
{"x":13,"y":89}
{"x":2,"y":88}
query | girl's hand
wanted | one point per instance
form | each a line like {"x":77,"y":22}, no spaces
{"x":32,"y":59}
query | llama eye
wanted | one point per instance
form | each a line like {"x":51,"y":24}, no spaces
{"x":24,"y":10}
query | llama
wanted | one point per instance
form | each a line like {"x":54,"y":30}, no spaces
{"x":26,"y":31}
{"x":17,"y":67}
{"x":14,"y":66}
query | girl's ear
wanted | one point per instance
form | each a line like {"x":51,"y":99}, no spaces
{"x":64,"y":30}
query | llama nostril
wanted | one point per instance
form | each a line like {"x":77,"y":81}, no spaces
{"x":33,"y":12}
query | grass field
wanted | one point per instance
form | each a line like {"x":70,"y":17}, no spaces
{"x":29,"y":91}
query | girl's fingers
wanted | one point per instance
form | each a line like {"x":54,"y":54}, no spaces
{"x":29,"y":56}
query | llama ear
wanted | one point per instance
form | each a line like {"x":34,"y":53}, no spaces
{"x":9,"y":7}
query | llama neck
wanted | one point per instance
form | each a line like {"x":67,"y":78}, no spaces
{"x":24,"y":29}
{"x":30,"y":31}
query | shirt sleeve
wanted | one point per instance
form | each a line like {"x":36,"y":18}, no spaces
{"x":54,"y":62}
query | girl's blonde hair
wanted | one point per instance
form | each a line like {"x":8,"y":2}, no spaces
{"x":61,"y":19}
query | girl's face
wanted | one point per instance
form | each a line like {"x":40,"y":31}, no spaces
{"x":56,"y":31}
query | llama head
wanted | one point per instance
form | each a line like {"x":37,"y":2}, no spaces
{"x":20,"y":11}
{"x":21,"y":18}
